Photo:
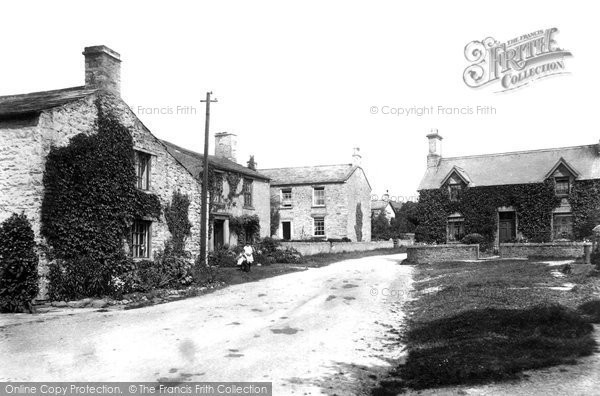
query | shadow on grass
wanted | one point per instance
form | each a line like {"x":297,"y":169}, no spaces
{"x":486,"y":345}
{"x":591,"y":310}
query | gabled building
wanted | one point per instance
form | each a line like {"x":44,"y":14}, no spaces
{"x":383,"y":205}
{"x":536,"y":196}
{"x":322,"y":202}
{"x":237,"y":190}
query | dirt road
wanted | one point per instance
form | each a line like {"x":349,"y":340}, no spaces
{"x":319,"y":331}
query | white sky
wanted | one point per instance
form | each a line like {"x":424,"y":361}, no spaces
{"x":296,"y":80}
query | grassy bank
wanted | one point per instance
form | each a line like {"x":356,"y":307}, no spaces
{"x":487,"y":321}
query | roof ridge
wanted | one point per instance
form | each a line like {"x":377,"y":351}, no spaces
{"x":78,"y":88}
{"x":517,"y":152}
{"x":305,"y":166}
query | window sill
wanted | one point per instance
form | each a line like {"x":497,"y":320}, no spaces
{"x":248,"y":207}
{"x":285,"y":207}
{"x":318,"y":206}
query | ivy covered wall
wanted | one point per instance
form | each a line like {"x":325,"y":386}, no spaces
{"x":533,"y":204}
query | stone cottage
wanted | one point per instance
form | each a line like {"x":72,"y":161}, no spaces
{"x":322,"y":202}
{"x":30,"y":124}
{"x":237,"y":190}
{"x":536,"y":196}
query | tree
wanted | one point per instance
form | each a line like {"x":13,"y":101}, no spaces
{"x":380,"y":227}
{"x":359,"y":222}
{"x":274,"y":215}
{"x":405,"y":220}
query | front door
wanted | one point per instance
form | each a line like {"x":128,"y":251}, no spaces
{"x":506,"y":226}
{"x":286,"y":229}
{"x":219,"y":233}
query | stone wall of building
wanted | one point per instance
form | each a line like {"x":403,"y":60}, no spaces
{"x":422,"y":254}
{"x":302,"y":212}
{"x":358,"y":191}
{"x":550,"y":250}
{"x":167,"y":176}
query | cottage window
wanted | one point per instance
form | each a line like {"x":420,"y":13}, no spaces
{"x":140,"y":239}
{"x":319,"y":226}
{"x":217,"y":196}
{"x":563,"y":226}
{"x":286,"y":197}
{"x":456,"y":228}
{"x":562,"y":186}
{"x":318,"y":196}
{"x":454,"y":190}
{"x":247,"y":189}
{"x":142,"y":166}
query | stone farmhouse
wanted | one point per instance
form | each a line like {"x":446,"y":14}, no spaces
{"x":322,"y":202}
{"x":31,"y":124}
{"x":535,"y":196}
{"x":238,"y":190}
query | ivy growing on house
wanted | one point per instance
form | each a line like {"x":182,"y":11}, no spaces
{"x":177,"y":218}
{"x":246,"y":227}
{"x":478,"y":206}
{"x":584,"y":199}
{"x":90,"y":201}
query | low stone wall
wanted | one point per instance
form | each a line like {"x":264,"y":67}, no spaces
{"x":435,"y":253}
{"x":550,"y":249}
{"x":311,"y":248}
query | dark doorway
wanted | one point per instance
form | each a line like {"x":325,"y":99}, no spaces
{"x":219,"y":233}
{"x":507,"y":227}
{"x":286,"y":229}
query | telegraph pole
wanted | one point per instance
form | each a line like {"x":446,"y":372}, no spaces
{"x":203,"y":215}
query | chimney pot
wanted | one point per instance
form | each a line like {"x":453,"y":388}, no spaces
{"x":356,"y":157}
{"x":435,"y":148}
{"x":102,"y":68}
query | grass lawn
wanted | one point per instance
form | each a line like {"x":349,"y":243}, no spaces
{"x":233,"y":276}
{"x":490,"y":320}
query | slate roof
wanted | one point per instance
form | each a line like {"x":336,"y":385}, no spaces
{"x":519,"y":167}
{"x":379,"y":204}
{"x":35,"y":102}
{"x":310,"y":174}
{"x":193,"y":161}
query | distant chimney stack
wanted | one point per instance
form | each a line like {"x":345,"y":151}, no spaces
{"x":435,"y":149}
{"x":226,"y":145}
{"x":102,"y":68}
{"x":356,"y":157}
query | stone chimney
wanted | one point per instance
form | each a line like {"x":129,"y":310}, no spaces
{"x":356,"y":157}
{"x":102,"y":68}
{"x":226,"y":145}
{"x":435,"y":149}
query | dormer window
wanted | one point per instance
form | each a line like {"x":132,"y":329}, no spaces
{"x":562,"y":186}
{"x":455,"y":189}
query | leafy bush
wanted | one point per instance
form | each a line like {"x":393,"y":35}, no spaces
{"x":344,"y":239}
{"x":287,"y":256}
{"x":268,"y":245}
{"x":473,"y":239}
{"x":18,"y":265}
{"x":222,"y":257}
{"x":595,"y":258}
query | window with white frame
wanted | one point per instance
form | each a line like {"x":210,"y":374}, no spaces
{"x":562,"y":186}
{"x":140,"y":239}
{"x":318,"y":196}
{"x":319,"y":226}
{"x":142,"y":167}
{"x":286,"y":197}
